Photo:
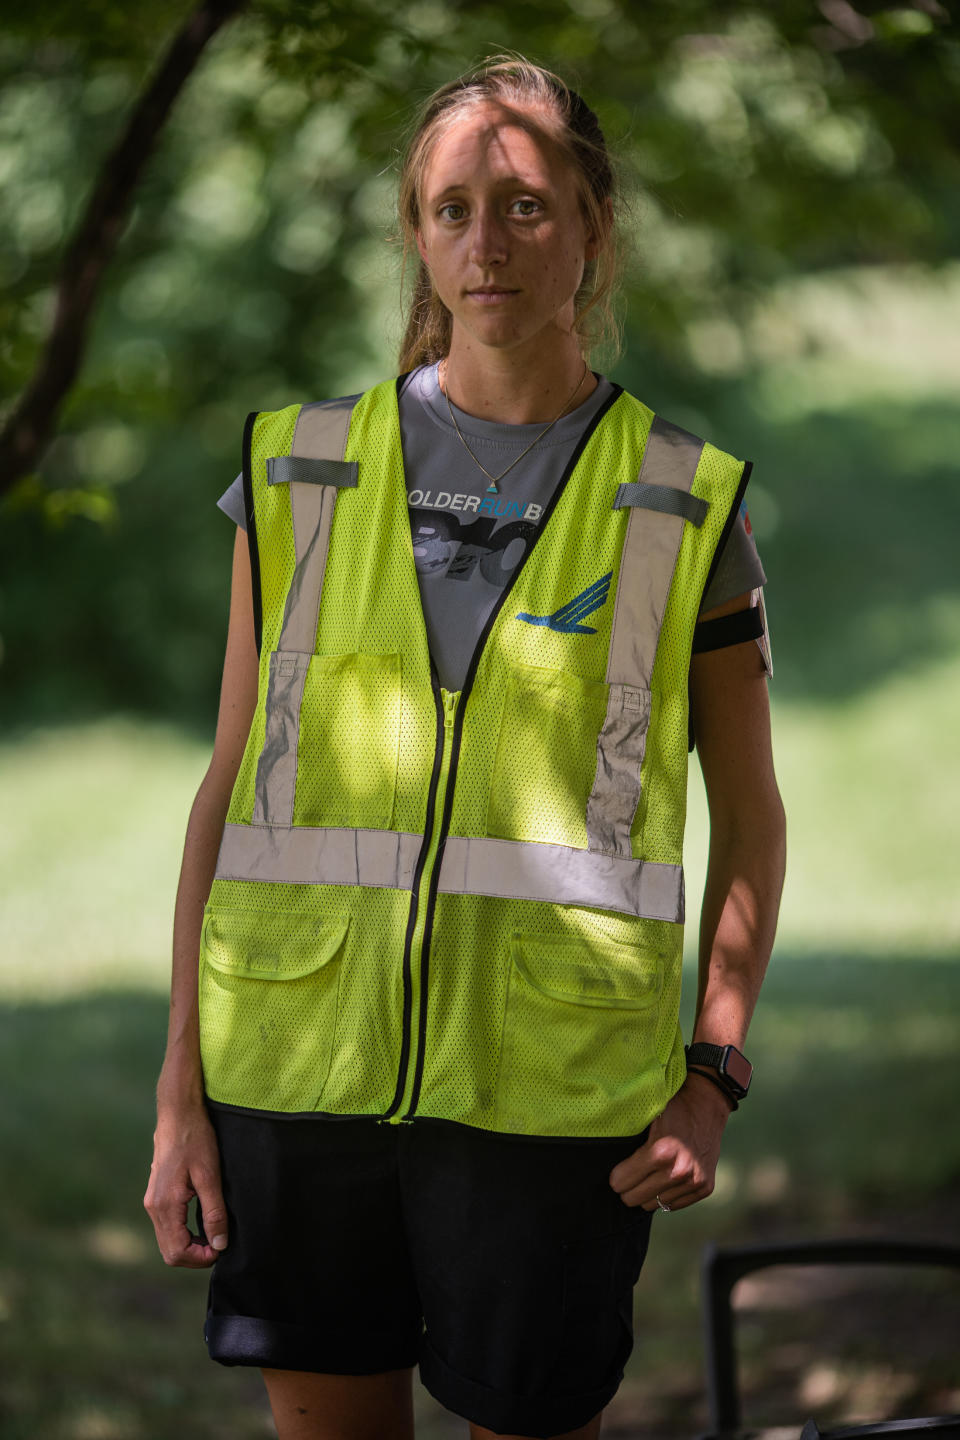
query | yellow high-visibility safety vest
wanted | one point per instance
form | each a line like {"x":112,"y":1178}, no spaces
{"x":466,"y":906}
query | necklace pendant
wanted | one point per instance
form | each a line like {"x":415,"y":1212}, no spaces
{"x":492,"y":487}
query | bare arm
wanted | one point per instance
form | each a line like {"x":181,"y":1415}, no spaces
{"x":745,"y":869}
{"x":185,"y":1159}
{"x":741,"y":898}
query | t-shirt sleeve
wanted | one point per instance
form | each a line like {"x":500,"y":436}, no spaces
{"x":739,"y":568}
{"x":231,"y":503}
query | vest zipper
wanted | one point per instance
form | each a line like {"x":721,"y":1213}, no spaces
{"x":453,"y":732}
{"x":414,"y":970}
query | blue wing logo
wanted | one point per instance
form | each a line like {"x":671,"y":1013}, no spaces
{"x":567,"y":619}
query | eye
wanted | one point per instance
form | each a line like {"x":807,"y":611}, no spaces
{"x":526,"y":206}
{"x":452,"y":211}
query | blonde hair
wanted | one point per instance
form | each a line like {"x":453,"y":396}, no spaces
{"x":522,"y":87}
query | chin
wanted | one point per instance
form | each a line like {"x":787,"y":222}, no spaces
{"x":495,"y":339}
{"x":500,"y":328}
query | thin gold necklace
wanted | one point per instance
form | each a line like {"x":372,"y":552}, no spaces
{"x":495,"y":479}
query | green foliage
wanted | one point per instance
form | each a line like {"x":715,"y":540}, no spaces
{"x":95,"y":32}
{"x":758,"y":146}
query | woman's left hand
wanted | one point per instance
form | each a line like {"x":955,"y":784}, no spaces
{"x":678,"y":1161}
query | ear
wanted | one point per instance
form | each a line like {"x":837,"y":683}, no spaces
{"x":422,"y":249}
{"x":597,"y":241}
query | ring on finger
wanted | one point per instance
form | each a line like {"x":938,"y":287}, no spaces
{"x":661,"y":1206}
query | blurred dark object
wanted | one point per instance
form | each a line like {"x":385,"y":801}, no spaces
{"x":943,"y":1425}
{"x":723,"y":1267}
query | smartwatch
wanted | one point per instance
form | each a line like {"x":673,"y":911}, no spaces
{"x":733,"y":1068}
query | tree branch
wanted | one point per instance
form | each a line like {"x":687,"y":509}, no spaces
{"x":29,"y":426}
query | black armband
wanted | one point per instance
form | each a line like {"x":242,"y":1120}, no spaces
{"x":728,"y":630}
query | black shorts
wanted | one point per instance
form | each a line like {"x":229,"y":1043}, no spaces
{"x":503,"y":1266}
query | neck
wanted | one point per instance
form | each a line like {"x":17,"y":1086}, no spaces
{"x":515,"y":389}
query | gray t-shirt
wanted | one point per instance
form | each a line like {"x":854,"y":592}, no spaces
{"x":468,"y":539}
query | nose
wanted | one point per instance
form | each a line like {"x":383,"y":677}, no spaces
{"x":488,"y":240}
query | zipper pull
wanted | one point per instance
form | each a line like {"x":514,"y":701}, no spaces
{"x":450,"y":699}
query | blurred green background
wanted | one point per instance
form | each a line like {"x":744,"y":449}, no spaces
{"x":793,"y":293}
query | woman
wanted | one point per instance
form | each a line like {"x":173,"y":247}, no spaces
{"x":433,"y":871}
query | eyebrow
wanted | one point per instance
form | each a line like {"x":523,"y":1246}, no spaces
{"x":504,"y":182}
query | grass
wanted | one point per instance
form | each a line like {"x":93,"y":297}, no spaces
{"x":870,"y":788}
{"x":851,"y":1128}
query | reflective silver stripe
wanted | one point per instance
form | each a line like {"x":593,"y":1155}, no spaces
{"x":561,"y":875}
{"x":662,"y":497}
{"x":302,"y":470}
{"x":276,"y":779}
{"x":318,"y":855}
{"x":509,"y":869}
{"x":620,"y":749}
{"x":650,"y":549}
{"x":323,"y":427}
{"x":649,"y":555}
{"x":312,"y":519}
{"x":320,"y":435}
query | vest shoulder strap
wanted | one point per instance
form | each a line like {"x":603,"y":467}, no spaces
{"x":321,"y":431}
{"x":313,"y":470}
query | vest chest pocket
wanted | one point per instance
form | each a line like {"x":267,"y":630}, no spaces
{"x":269,"y":983}
{"x":581,"y":1043}
{"x":546,"y":756}
{"x":332,"y":739}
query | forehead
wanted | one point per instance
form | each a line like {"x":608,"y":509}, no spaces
{"x":494,"y":142}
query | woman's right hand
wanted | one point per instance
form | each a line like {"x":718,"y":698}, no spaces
{"x":186,"y":1163}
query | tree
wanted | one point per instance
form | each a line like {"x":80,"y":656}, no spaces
{"x":28,"y":427}
{"x":789,"y":144}
{"x":245,"y":241}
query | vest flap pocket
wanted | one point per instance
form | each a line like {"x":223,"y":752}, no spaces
{"x":574,"y":972}
{"x":270,"y":945}
{"x":269,"y":1046}
{"x":579,"y":1047}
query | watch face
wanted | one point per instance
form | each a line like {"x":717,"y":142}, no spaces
{"x":737,"y":1067}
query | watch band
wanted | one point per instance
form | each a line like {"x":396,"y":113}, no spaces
{"x":725,"y":1090}
{"x":701,"y":1054}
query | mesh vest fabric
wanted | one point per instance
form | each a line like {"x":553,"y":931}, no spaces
{"x":513,"y":1015}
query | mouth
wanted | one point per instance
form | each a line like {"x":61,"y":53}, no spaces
{"x":491,"y":295}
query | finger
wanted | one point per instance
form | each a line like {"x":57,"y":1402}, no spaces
{"x":185,"y":1249}
{"x":655,"y":1158}
{"x":678,"y":1197}
{"x":645,"y":1195}
{"x":634,"y":1170}
{"x":669,"y":1183}
{"x":640,"y":1178}
{"x":683,"y":1201}
{"x":663,"y":1202}
{"x":177,"y":1244}
{"x":212,"y":1212}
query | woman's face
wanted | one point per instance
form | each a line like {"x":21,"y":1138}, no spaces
{"x":502,"y":232}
